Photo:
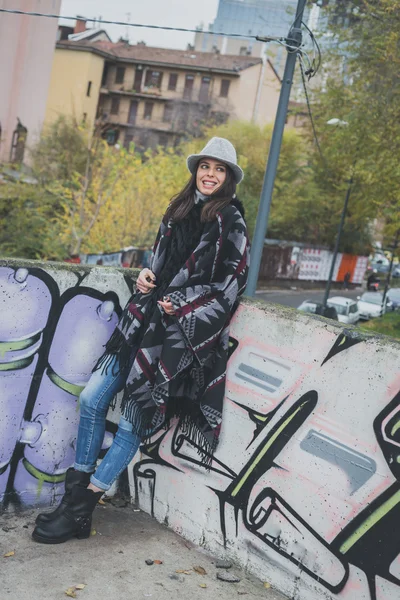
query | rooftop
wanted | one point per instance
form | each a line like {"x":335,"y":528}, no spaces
{"x":88,"y":34}
{"x":164,"y":56}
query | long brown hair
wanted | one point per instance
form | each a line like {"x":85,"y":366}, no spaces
{"x":182,"y":203}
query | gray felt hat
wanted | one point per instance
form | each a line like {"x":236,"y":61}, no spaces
{"x":220,"y":149}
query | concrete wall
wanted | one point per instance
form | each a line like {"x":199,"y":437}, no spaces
{"x":71,"y":72}
{"x":304,"y":489}
{"x":26,"y":53}
{"x":53,"y":324}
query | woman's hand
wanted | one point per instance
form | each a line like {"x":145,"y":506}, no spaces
{"x":145,"y":281}
{"x":167,"y":306}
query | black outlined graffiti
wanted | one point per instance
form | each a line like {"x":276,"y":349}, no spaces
{"x":49,"y":343}
{"x":367,"y":541}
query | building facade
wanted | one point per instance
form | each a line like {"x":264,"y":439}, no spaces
{"x":157,"y":96}
{"x":249,"y":18}
{"x":26,"y":50}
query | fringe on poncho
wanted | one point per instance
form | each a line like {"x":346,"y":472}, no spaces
{"x":177,"y":364}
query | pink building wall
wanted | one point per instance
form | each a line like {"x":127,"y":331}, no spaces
{"x":26,"y":55}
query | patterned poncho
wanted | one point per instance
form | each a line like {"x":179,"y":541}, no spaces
{"x":180,"y":361}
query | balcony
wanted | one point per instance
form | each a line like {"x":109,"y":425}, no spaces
{"x":149,"y":93}
{"x":197,"y":96}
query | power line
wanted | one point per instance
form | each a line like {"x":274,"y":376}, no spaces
{"x":317,"y":49}
{"x":303,"y":77}
{"x":142,"y":25}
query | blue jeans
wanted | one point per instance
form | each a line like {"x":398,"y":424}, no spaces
{"x":95,"y":400}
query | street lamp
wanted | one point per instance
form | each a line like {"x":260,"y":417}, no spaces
{"x":337,"y":123}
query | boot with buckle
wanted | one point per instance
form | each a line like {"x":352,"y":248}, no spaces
{"x":74,"y":521}
{"x":72,"y":478}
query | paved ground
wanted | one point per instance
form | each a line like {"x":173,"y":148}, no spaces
{"x":112,"y":563}
{"x":295,"y":297}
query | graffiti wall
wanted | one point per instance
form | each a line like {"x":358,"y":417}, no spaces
{"x":53,"y":324}
{"x":305,"y":486}
{"x":304,"y":489}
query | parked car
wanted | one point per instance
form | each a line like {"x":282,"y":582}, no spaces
{"x":394,"y":297}
{"x":317,"y":308}
{"x":370,"y":305}
{"x":379,"y":266}
{"x":396,"y":271}
{"x":346,"y":308}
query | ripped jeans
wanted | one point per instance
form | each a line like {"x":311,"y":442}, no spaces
{"x":95,"y":400}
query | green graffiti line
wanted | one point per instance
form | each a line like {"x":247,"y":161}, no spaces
{"x":16,"y":365}
{"x":261,"y":418}
{"x":265,"y":449}
{"x":395,"y":428}
{"x":18,"y":345}
{"x":70,"y":388}
{"x":372,"y":520}
{"x":41,"y":476}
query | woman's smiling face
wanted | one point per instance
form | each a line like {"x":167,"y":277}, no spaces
{"x":211,"y":175}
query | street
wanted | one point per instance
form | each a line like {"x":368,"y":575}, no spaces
{"x":294,"y":298}
{"x":112,"y":562}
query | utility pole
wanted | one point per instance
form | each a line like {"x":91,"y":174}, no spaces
{"x":295,"y":40}
{"x":389,"y":275}
{"x":336,"y":250}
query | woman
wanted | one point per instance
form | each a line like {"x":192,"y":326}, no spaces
{"x":170,"y":348}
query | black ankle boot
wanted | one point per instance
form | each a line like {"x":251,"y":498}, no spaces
{"x":74,"y":521}
{"x":72,"y":478}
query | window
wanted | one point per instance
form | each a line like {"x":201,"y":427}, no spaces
{"x":128,"y":140}
{"x":204,"y":89}
{"x":89,"y":88}
{"x":137,"y":84}
{"x":105,"y":75}
{"x":225,"y":84}
{"x":163,"y":139}
{"x":243,"y":50}
{"x":341,"y":310}
{"x":153,"y":79}
{"x":183,"y":116}
{"x":133,"y":111}
{"x":111,"y":136}
{"x":120,"y":75}
{"x":148,"y":109}
{"x":168,"y":112}
{"x":115,"y":106}
{"x":353,"y":308}
{"x":173,"y":81}
{"x":187,"y":92}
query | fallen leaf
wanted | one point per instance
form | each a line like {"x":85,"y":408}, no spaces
{"x":8,"y":554}
{"x":70,"y":592}
{"x":200,"y":570}
{"x":203,"y":585}
{"x":185,"y":572}
{"x":93,"y":532}
{"x":80,"y":586}
{"x":158,"y":562}
{"x":267,"y":585}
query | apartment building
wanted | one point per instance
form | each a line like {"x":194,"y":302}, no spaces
{"x":157,"y":96}
{"x":26,"y":51}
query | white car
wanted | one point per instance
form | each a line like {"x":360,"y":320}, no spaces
{"x":370,"y":305}
{"x":347,"y":309}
